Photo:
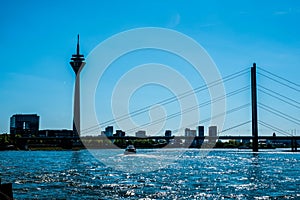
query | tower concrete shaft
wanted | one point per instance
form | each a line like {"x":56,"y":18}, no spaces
{"x":77,"y":63}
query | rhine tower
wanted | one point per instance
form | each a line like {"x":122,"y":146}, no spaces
{"x":77,"y":63}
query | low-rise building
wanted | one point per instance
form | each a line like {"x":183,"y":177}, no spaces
{"x":120,"y":133}
{"x":25,"y":125}
{"x":189,"y":133}
{"x":140,"y":134}
{"x":168,"y":133}
{"x":56,"y":133}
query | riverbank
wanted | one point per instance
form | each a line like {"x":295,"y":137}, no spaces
{"x":94,"y":148}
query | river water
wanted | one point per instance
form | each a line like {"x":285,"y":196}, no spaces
{"x":229,"y":174}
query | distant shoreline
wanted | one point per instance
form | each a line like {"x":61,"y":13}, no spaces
{"x":111,"y":148}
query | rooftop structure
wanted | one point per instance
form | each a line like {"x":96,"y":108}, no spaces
{"x":25,"y":125}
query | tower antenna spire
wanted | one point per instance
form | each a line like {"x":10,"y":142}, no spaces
{"x":78,"y":44}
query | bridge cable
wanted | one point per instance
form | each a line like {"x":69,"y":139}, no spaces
{"x":298,"y":90}
{"x":291,"y":82}
{"x":274,"y":128}
{"x":280,"y":114}
{"x":216,"y":116}
{"x":233,"y":127}
{"x":206,"y":103}
{"x":192,"y":108}
{"x":260,"y":86}
{"x":172,"y":99}
{"x":277,"y":111}
{"x":279,"y":99}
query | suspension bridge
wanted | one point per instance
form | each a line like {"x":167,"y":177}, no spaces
{"x":255,"y":106}
{"x":254,"y":88}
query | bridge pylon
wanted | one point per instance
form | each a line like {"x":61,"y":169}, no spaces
{"x":254,"y":109}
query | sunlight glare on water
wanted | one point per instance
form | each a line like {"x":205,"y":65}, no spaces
{"x":229,"y":174}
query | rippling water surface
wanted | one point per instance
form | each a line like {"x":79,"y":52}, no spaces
{"x":229,"y":174}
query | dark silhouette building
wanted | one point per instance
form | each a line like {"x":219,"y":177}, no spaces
{"x":200,"y":131}
{"x":200,"y":134}
{"x":120,"y":133}
{"x":109,"y":130}
{"x":25,"y":125}
{"x":168,"y":133}
{"x":64,"y":133}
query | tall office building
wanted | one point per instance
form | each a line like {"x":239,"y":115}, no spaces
{"x":25,"y":125}
{"x":109,"y":131}
{"x":200,"y":134}
{"x":212,"y":132}
{"x":200,"y":131}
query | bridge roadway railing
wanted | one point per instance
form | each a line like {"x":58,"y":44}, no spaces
{"x":168,"y":137}
{"x":293,"y":139}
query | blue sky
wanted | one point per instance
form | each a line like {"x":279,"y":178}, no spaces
{"x":37,"y":39}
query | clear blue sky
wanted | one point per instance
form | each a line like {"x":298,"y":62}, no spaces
{"x":37,"y":39}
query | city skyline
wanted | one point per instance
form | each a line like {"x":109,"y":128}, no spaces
{"x":41,"y":81}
